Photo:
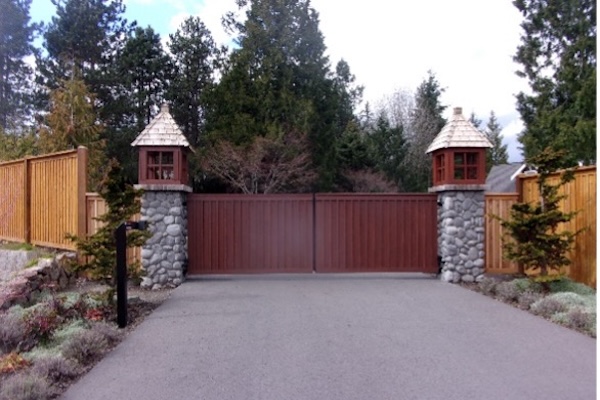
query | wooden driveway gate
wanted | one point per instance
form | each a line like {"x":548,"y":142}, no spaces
{"x":244,"y":234}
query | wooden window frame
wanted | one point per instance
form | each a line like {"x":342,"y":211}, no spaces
{"x":146,"y":165}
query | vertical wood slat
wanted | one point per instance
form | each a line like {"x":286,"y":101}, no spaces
{"x":499,"y":205}
{"x":13,"y":221}
{"x":245,"y":234}
{"x":581,"y":199}
{"x":39,"y":201}
{"x":95,"y":207}
{"x":373,"y":228}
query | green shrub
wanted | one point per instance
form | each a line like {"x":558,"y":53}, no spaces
{"x":527,"y":298}
{"x":12,"y":331}
{"x":85,"y":346}
{"x":568,"y":285}
{"x":569,"y":299}
{"x":527,"y":285}
{"x":108,"y":331}
{"x":507,"y":291}
{"x":41,"y":320}
{"x":41,"y":352}
{"x":579,"y":318}
{"x":547,"y":307}
{"x":68,"y":330}
{"x":488,"y":286}
{"x":25,"y":386}
{"x":55,"y":368}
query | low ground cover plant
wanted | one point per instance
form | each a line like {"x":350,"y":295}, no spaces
{"x":45,"y":346}
{"x":562,"y":301}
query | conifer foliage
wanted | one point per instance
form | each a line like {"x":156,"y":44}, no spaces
{"x":123,"y":202}
{"x":535,"y":239}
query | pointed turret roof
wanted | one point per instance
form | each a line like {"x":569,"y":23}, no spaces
{"x":162,"y":131}
{"x":459,"y":132}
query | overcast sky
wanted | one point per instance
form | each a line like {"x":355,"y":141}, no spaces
{"x":390,"y":45}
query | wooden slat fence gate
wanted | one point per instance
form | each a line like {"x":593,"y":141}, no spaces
{"x":312,"y":233}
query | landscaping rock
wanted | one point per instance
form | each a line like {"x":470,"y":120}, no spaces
{"x":28,"y":283}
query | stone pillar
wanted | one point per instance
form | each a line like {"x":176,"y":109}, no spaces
{"x":165,"y":254}
{"x":461,"y":236}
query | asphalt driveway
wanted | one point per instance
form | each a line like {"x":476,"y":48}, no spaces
{"x":326,"y":337}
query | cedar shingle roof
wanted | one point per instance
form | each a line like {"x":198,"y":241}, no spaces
{"x":162,"y":131}
{"x":459,"y":132}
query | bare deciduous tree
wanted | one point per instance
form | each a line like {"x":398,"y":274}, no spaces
{"x":266,"y":166}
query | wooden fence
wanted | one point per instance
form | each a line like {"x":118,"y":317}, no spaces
{"x":581,"y":198}
{"x":42,"y":199}
{"x":96,"y":207}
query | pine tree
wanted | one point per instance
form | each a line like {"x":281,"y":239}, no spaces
{"x":196,"y":61}
{"x":278,"y":80}
{"x":123,"y":202}
{"x":389,"y":148}
{"x":16,"y":37}
{"x":558,"y":58}
{"x":476,"y":122}
{"x":426,"y":122}
{"x":536,"y":240}
{"x":73,"y":122}
{"x":498,"y":154}
{"x":82,"y":37}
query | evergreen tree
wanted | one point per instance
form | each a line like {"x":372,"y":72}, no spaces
{"x":389,"y":148}
{"x":558,"y":58}
{"x":349,"y":95}
{"x":498,"y":154}
{"x":278,"y":80}
{"x":123,"y":202}
{"x":16,"y":37}
{"x":426,"y":122}
{"x":476,"y":122}
{"x":144,"y":71}
{"x":82,"y":38}
{"x":537,"y":242}
{"x":17,"y":144}
{"x":73,"y":122}
{"x":196,"y":60}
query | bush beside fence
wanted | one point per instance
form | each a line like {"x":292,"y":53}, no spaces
{"x":581,"y":198}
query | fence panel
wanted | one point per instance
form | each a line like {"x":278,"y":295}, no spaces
{"x":499,"y":205}
{"x":581,"y":198}
{"x":96,"y":207}
{"x":376,"y":233}
{"x":43,"y":198}
{"x":12,"y":201}
{"x":250,"y":233}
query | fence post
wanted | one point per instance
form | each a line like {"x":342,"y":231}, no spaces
{"x":26,"y":201}
{"x":82,"y":161}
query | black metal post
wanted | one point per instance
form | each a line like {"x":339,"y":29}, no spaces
{"x":121,"y":274}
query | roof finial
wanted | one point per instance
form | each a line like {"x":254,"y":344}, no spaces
{"x":164,"y":108}
{"x":457,"y":110}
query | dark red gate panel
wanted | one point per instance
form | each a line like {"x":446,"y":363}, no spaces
{"x":250,"y":233}
{"x":376,"y":233}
